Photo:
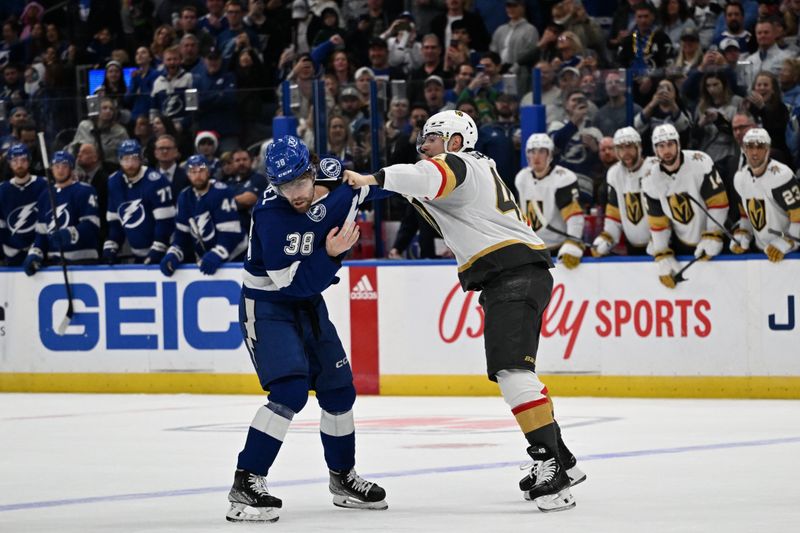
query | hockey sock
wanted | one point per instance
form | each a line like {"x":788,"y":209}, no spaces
{"x":338,"y":434}
{"x":264,"y":438}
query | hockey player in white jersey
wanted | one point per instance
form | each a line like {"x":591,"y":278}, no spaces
{"x":678,"y":193}
{"x":625,"y":192}
{"x":459,"y":191}
{"x":549,"y":195}
{"x":770,"y":201}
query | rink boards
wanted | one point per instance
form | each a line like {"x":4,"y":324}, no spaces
{"x":611,"y":330}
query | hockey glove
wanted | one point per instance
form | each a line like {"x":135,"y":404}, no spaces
{"x":169,"y":264}
{"x":741,"y":241}
{"x":570,"y":254}
{"x":667,"y":268}
{"x":777,"y":248}
{"x":153,"y":256}
{"x":32,"y":263}
{"x":602,"y":245}
{"x":210,"y":263}
{"x":710,"y":245}
{"x":109,"y":256}
{"x":63,"y":238}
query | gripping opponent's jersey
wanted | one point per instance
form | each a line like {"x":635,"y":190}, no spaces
{"x":286,"y":257}
{"x":551,"y":201}
{"x":462,"y":196}
{"x":769,"y":202}
{"x":669,"y":207}
{"x":18,"y":215}
{"x":625,"y":210}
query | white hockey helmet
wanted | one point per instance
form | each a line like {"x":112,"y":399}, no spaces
{"x":627,"y":135}
{"x":448,"y":123}
{"x":757,"y":136}
{"x":665,"y":132}
{"x":541,"y":141}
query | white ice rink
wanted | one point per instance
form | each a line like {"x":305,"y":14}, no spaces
{"x":130,"y":463}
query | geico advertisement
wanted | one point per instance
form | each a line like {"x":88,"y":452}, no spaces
{"x":613,"y":318}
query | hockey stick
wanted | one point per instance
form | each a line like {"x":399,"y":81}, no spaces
{"x":62,"y":328}
{"x":198,"y":237}
{"x":678,"y":276}
{"x":725,"y":230}
{"x":783,"y":235}
{"x":545,"y":225}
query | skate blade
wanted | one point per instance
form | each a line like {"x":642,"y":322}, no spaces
{"x":561,"y":501}
{"x":576,"y":476}
{"x":353,"y":503}
{"x":241,"y":512}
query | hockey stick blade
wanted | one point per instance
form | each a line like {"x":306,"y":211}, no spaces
{"x":62,"y":328}
{"x":678,"y":276}
{"x":783,"y":235}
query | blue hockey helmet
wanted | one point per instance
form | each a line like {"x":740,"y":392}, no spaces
{"x":62,"y":156}
{"x":129,"y":147}
{"x":286,"y":160}
{"x":18,"y":150}
{"x":197,"y":160}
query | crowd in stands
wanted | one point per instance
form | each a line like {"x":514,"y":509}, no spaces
{"x":711,"y":68}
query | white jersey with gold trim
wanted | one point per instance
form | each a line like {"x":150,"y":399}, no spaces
{"x":463,"y":197}
{"x":551,"y":202}
{"x":669,"y":207}
{"x":625,"y":210}
{"x":768,"y":202}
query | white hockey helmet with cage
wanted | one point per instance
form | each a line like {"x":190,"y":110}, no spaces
{"x":663,"y":133}
{"x":449,"y":123}
{"x":757,"y":136}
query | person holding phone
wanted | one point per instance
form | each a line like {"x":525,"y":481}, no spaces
{"x":516,"y":37}
{"x":665,"y":107}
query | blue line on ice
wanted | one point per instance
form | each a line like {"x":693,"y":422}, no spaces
{"x":400,"y":473}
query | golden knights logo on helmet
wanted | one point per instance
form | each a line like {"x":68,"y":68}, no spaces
{"x":757,"y":213}
{"x":633,"y":207}
{"x":681,"y":207}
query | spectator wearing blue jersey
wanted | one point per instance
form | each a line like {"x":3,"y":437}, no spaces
{"x":207,"y":224}
{"x":302,"y":228}
{"x":138,"y":98}
{"x":217,"y":108}
{"x":141,"y":209}
{"x":73,"y":230}
{"x":19,"y":197}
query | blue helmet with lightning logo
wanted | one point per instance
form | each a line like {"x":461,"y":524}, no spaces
{"x":286,"y":160}
{"x":62,"y":156}
{"x":18,"y":150}
{"x":129,"y":147}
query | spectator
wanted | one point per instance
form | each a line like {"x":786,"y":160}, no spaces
{"x":468,"y":106}
{"x":514,"y":37}
{"x":413,"y":225}
{"x":188,"y":25}
{"x":459,"y":49}
{"x":113,"y":85}
{"x":405,"y":148}
{"x":440,"y":25}
{"x":236,"y":36}
{"x":163,"y":38}
{"x":16,"y":118}
{"x":666,"y":107}
{"x":496,"y":139}
{"x":487,"y":85}
{"x":217,"y":101}
{"x":689,"y":54}
{"x":214,"y":22}
{"x":434,"y":95}
{"x":790,"y":83}
{"x":169,"y":88}
{"x":570,"y":51}
{"x":405,"y":52}
{"x":613,"y":115}
{"x":623,"y":23}
{"x":253,"y":86}
{"x":647,"y":46}
{"x":713,"y":133}
{"x":142,"y":131}
{"x":734,"y":27}
{"x":98,"y":51}
{"x":206,"y":144}
{"x":167,"y":156}
{"x":769,"y":57}
{"x":363,"y":77}
{"x":190,"y":54}
{"x":341,"y":66}
{"x":465,"y":73}
{"x":550,"y":90}
{"x":572,"y":17}
{"x":247,"y":184}
{"x":676,"y":19}
{"x":143,"y":78}
{"x":431,"y":60}
{"x":398,"y":124}
{"x":361,"y":144}
{"x":328,"y":27}
{"x":707,"y":15}
{"x":351,"y":104}
{"x":90,"y":170}
{"x":339,"y":140}
{"x":104,"y":131}
{"x":765,"y":103}
{"x":30,"y":17}
{"x":379,"y":61}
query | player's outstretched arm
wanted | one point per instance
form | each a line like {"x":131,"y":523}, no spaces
{"x":356,"y":180}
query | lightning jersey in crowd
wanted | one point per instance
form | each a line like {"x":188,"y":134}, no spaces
{"x":625,"y":193}
{"x":461,"y":195}
{"x":769,"y":202}
{"x":18,"y":216}
{"x":286,"y":258}
{"x":76,"y":207}
{"x":140,"y":210}
{"x":551,"y":201}
{"x":210,"y":218}
{"x":669,"y":208}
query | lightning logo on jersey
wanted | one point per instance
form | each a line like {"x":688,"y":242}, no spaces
{"x":204,"y":230}
{"x":22,"y":219}
{"x":131,"y":213}
{"x":62,"y":215}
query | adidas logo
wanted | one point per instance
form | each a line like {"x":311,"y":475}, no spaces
{"x":363,"y":290}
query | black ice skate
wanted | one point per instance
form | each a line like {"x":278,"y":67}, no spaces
{"x":250,"y":499}
{"x":547,"y":484}
{"x":351,"y":491}
{"x":574,"y":473}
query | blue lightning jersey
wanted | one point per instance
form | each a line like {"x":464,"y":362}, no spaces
{"x":209,"y":222}
{"x":286,"y":257}
{"x":141,"y":211}
{"x":18,"y":216}
{"x":76,"y":210}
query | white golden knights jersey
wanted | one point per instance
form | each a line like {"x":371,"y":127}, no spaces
{"x":465,"y":200}
{"x":625,"y":210}
{"x":768,"y":202}
{"x":669,"y":207}
{"x":551,"y":201}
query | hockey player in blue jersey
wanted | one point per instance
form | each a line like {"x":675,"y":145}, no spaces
{"x":140,"y":208}
{"x":75,"y":228}
{"x":302,"y":227}
{"x":19,"y":197}
{"x":207,"y":222}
